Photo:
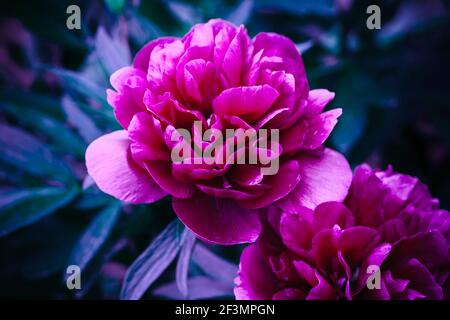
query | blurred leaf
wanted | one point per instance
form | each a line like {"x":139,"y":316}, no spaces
{"x":412,"y":17}
{"x":115,"y":5}
{"x":81,"y":84}
{"x":63,"y":138}
{"x":153,"y":261}
{"x":48,"y":105}
{"x":112,"y":51}
{"x":185,"y":13}
{"x":355,"y":94}
{"x":19,"y":208}
{"x":76,"y":117}
{"x":241,"y":13}
{"x":19,"y":149}
{"x":350,"y":127}
{"x":304,"y":46}
{"x":141,"y":30}
{"x":38,"y":250}
{"x":182,"y":270}
{"x":320,"y":7}
{"x":213,"y":265}
{"x":199,"y":288}
{"x":94,"y":236}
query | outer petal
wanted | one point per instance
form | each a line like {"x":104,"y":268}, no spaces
{"x":109,"y":163}
{"x":317,"y":100}
{"x":130,"y":85}
{"x":324,"y":177}
{"x":143,"y":56}
{"x":218,"y":220}
{"x":256,"y":280}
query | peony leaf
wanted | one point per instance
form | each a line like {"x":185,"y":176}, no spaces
{"x":183,"y":263}
{"x":153,"y":261}
{"x":113,"y":52}
{"x":61,"y":136}
{"x":21,"y":150}
{"x":241,"y":13}
{"x":19,"y":208}
{"x":95,"y":236}
{"x":76,"y":117}
{"x":81,"y":84}
{"x":200,"y":288}
{"x":115,"y":5}
{"x":214,"y":265}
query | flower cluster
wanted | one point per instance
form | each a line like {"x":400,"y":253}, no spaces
{"x":388,"y":220}
{"x":317,"y":232}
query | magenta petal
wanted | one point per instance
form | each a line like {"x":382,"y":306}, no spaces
{"x":322,"y":290}
{"x":249,"y":103}
{"x":319,"y":128}
{"x":161,"y":172}
{"x":109,"y":163}
{"x":142,"y":58}
{"x":127,"y":100}
{"x":328,"y":214}
{"x":281,"y":184}
{"x":146,"y":139}
{"x":218,"y":220}
{"x":356,"y":242}
{"x":296,"y":230}
{"x":324,"y":177}
{"x":256,"y":280}
{"x":317,"y":100}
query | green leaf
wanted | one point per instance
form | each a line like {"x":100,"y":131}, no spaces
{"x":95,"y":236}
{"x":152,"y":262}
{"x":19,"y":208}
{"x":21,"y":150}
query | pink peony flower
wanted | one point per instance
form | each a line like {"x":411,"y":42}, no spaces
{"x":217,"y":76}
{"x":388,"y":221}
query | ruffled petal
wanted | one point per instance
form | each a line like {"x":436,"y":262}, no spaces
{"x":109,"y":163}
{"x":218,"y":220}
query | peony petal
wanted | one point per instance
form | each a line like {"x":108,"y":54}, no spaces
{"x":141,"y":61}
{"x":296,"y":230}
{"x":281,"y":184}
{"x":146,"y":142}
{"x":161,"y":172}
{"x":130,"y":85}
{"x":218,"y":220}
{"x":328,"y":214}
{"x":319,"y":128}
{"x":248,"y":103}
{"x":324,"y":177}
{"x":109,"y":163}
{"x":317,"y":100}
{"x":255,"y":281}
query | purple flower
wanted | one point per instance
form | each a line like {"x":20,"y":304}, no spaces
{"x":388,"y":221}
{"x":220,"y":78}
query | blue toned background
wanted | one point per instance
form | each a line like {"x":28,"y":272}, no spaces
{"x":393,"y":85}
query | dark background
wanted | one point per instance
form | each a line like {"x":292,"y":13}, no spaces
{"x":393,"y":86}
